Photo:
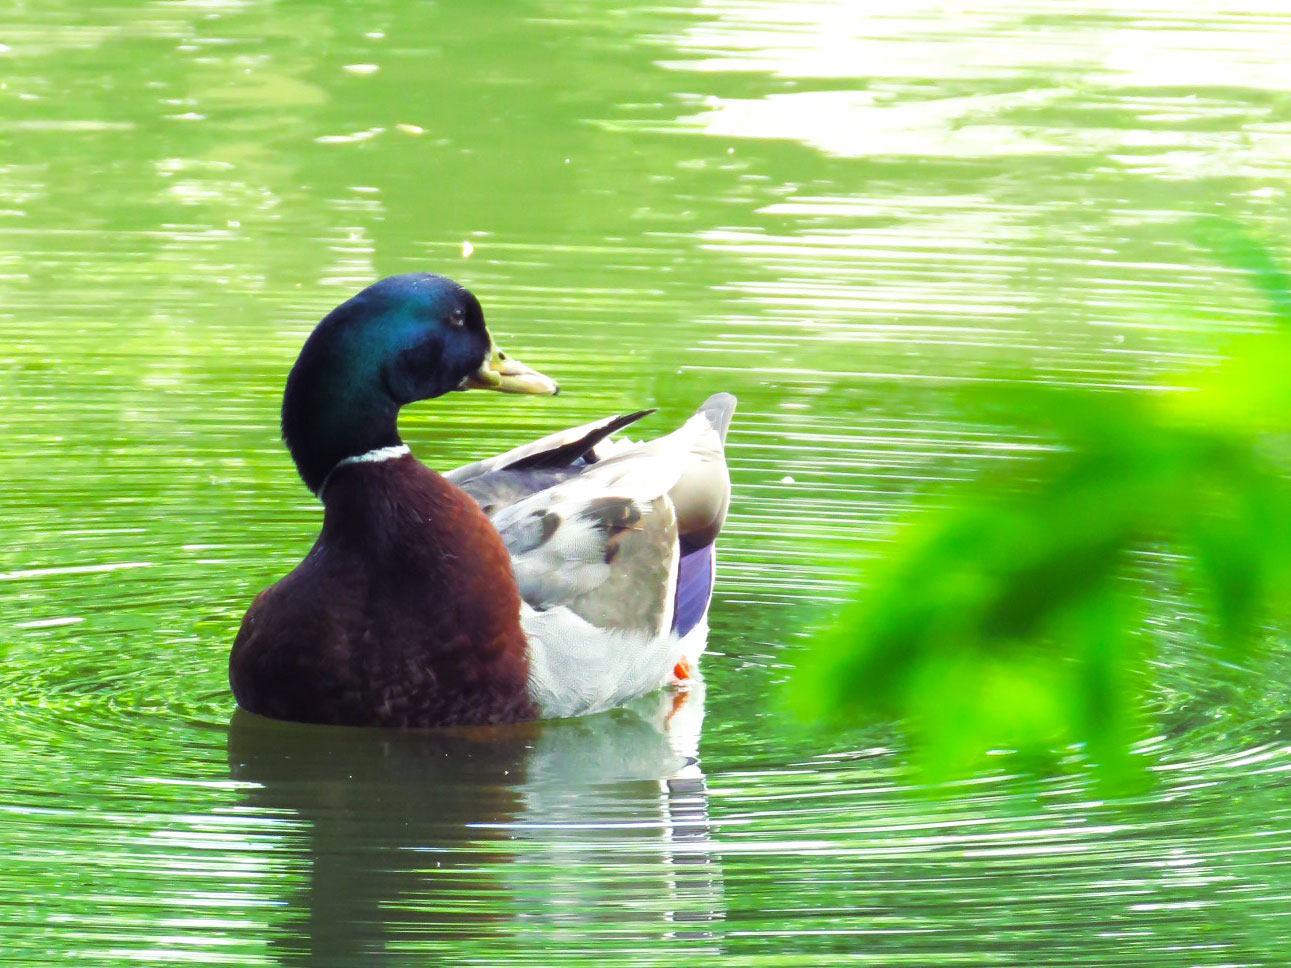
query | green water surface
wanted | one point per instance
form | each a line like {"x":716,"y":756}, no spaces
{"x":843,"y":212}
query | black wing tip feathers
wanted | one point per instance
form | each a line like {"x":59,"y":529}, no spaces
{"x":567,"y":454}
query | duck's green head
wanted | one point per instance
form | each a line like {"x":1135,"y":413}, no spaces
{"x":405,"y":338}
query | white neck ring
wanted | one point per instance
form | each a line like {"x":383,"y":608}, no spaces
{"x":377,"y":456}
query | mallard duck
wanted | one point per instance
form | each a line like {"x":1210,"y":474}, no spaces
{"x":560,"y":578}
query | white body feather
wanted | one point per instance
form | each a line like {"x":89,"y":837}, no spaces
{"x":576,"y":668}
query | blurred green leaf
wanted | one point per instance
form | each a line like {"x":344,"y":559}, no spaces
{"x":1007,"y":621}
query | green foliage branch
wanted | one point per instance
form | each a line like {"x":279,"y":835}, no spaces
{"x":1011,"y":620}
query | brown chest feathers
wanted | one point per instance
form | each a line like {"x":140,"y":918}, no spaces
{"x":404,"y":613}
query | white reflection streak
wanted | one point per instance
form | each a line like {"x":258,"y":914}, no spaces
{"x":587,"y":817}
{"x":873,"y":53}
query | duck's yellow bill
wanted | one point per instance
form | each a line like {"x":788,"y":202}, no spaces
{"x":502,"y":373}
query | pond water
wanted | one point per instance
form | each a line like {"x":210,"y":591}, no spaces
{"x":844,"y":213}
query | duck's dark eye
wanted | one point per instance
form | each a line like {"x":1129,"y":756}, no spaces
{"x":457,"y":317}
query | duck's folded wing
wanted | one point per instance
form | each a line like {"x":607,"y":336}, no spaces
{"x":596,"y":562}
{"x":597,"y":557}
{"x":603,"y":545}
{"x":605,"y":542}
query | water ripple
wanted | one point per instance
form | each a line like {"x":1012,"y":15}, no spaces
{"x":845,"y":215}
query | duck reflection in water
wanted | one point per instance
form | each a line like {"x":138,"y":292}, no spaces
{"x":439,"y":841}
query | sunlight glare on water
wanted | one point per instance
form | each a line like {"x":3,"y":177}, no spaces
{"x":846,"y":215}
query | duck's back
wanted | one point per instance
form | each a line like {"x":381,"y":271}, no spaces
{"x":614,"y":553}
{"x":404,"y":613}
